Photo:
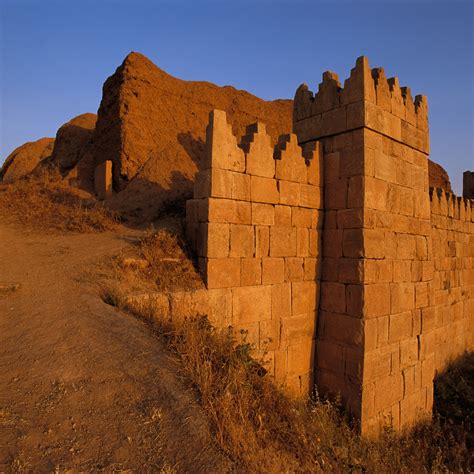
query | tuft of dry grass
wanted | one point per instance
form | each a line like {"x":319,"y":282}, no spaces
{"x":261,"y":430}
{"x":42,"y":201}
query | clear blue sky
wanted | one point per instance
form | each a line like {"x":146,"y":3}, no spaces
{"x":55,"y":55}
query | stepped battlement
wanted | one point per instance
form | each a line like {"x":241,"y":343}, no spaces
{"x":368,"y":99}
{"x":449,"y":205}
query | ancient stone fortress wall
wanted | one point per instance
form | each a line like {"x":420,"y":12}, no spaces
{"x":453,"y":255}
{"x":255,"y":224}
{"x":375,"y":349}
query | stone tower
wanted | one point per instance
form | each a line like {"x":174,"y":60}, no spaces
{"x":377,"y":270}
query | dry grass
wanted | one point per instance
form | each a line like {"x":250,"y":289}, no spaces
{"x":159,"y":261}
{"x":260,"y":430}
{"x":44,"y":202}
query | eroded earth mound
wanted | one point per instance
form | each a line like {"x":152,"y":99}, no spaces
{"x":152,"y":126}
{"x":24,"y":159}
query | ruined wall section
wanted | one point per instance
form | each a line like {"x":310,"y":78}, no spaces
{"x":255,"y":223}
{"x":452,"y":324}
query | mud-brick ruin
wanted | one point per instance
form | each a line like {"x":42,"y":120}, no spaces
{"x":329,"y":252}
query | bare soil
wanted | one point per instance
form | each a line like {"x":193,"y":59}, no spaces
{"x":84,"y":386}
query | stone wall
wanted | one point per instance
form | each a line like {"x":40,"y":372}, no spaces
{"x":452,"y":323}
{"x":335,"y":257}
{"x":255,"y":224}
{"x":378,"y":252}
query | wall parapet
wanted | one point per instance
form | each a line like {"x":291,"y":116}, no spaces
{"x":449,"y":205}
{"x":254,"y":222}
{"x":368,"y":99}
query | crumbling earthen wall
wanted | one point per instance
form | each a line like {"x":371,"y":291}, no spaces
{"x":452,"y":324}
{"x":255,"y":223}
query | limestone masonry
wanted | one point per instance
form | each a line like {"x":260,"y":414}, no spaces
{"x":329,"y":252}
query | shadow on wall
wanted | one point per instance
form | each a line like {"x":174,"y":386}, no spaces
{"x":144,"y":201}
{"x":454,"y":393}
{"x":194,"y":147}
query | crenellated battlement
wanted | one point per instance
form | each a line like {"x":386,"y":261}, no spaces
{"x":449,"y":205}
{"x":368,"y":99}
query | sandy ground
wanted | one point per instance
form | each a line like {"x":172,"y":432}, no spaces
{"x":84,"y":386}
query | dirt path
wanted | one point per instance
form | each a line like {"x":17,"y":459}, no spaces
{"x":82,"y":385}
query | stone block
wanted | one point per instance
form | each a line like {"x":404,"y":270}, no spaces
{"x":290,"y":164}
{"x":310,"y":196}
{"x":264,"y":190}
{"x":406,"y":246}
{"x":258,"y":147}
{"x":282,"y":241}
{"x":350,"y":218}
{"x":355,"y":195}
{"x":330,"y":356}
{"x":241,"y":240}
{"x":221,"y":145}
{"x":421,"y":295}
{"x":302,"y":242}
{"x":222,"y":272}
{"x":294,"y":270}
{"x":333,"y":297}
{"x":301,"y":217}
{"x":213,"y":182}
{"x":283,"y":216}
{"x":217,"y":237}
{"x":273,"y":270}
{"x":304,"y":297}
{"x":355,"y":300}
{"x":228,"y":211}
{"x":281,"y":300}
{"x":185,"y":304}
{"x":375,"y":193}
{"x":314,"y":242}
{"x":301,"y":357}
{"x":251,"y":304}
{"x":376,"y":299}
{"x":250,"y":271}
{"x":220,"y":307}
{"x":297,"y":329}
{"x":240,"y":186}
{"x":353,"y":243}
{"x":402,"y":297}
{"x":332,"y":243}
{"x":378,"y":271}
{"x":400,"y":326}
{"x":382,"y":330}
{"x":270,"y":331}
{"x":336,"y":194}
{"x":341,"y":328}
{"x":103,"y":180}
{"x":263,"y":214}
{"x":408,"y":352}
{"x":262,"y":241}
{"x":312,"y":269}
{"x":428,"y":371}
{"x":289,"y":193}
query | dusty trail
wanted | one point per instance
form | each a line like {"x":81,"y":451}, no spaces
{"x":82,"y":385}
